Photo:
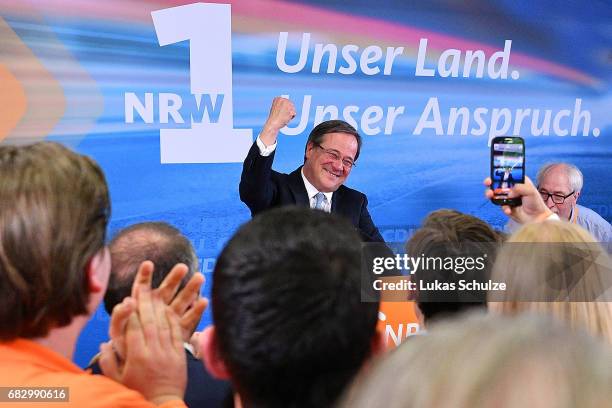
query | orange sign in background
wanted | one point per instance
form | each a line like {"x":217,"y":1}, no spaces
{"x":398,"y":321}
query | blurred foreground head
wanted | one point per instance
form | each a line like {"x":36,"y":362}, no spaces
{"x":556,"y":268}
{"x":290,"y":327}
{"x":490,"y":361}
{"x":55,"y":208}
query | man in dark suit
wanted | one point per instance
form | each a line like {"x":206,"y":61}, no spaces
{"x":331,"y":152}
{"x":165,"y":246}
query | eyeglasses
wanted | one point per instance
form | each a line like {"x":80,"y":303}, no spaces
{"x":335,"y":155}
{"x":556,"y":198}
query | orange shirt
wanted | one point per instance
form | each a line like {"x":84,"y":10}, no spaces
{"x":24,"y":363}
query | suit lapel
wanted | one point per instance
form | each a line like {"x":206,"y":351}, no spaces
{"x":296,"y":185}
{"x":338,"y":206}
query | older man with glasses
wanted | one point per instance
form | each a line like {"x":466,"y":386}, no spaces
{"x":331,"y":152}
{"x":560,"y":185}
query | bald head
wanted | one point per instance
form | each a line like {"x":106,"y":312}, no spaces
{"x":158,"y":242}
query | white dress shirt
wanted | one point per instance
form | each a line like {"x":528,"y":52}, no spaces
{"x":312,"y":192}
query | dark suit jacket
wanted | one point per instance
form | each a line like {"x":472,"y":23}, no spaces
{"x":262,"y":188}
{"x":202,"y":389}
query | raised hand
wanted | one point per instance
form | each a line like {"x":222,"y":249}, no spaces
{"x":155,"y":362}
{"x":532,"y":209}
{"x":187,"y":304}
{"x":281,"y":113}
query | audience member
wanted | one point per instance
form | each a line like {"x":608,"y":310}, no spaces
{"x":556,"y":268}
{"x":158,"y":242}
{"x":450,"y":233}
{"x":54,"y":269}
{"x":560,"y":185}
{"x":290,"y":329}
{"x":165,"y":246}
{"x":490,"y":362}
{"x":572,"y":268}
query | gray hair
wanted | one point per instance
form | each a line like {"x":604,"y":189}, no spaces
{"x":574,"y":174}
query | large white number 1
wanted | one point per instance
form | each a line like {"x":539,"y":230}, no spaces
{"x":208,"y":27}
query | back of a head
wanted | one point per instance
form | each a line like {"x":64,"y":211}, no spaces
{"x":556,"y":268}
{"x":449,"y":233}
{"x":486,"y":361}
{"x":287,"y":308}
{"x":158,"y":242}
{"x":55,"y":208}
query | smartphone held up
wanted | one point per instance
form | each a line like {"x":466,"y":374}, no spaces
{"x":507,"y":168}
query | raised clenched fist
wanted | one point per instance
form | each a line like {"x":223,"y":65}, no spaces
{"x":281,"y":113}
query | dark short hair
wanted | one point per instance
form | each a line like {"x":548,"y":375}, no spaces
{"x":55,"y":208}
{"x":287,"y":309}
{"x":447,"y":233}
{"x":332,"y":126}
{"x":158,"y":242}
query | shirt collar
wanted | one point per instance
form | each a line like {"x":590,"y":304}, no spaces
{"x":189,"y":348}
{"x":312,"y":190}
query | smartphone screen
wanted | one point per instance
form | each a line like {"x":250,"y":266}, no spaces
{"x":507,"y":168}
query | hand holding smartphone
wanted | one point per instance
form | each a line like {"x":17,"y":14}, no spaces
{"x":507,"y":168}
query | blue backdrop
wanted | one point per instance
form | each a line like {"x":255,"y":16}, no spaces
{"x":91,"y":55}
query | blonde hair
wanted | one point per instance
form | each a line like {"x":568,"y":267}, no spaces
{"x":487,"y":361}
{"x":556,"y":268}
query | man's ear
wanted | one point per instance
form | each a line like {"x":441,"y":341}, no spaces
{"x":308,"y":152}
{"x":209,"y":353}
{"x":577,"y":195}
{"x":97,"y":271}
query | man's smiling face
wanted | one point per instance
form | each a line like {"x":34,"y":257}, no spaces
{"x":325,"y":171}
